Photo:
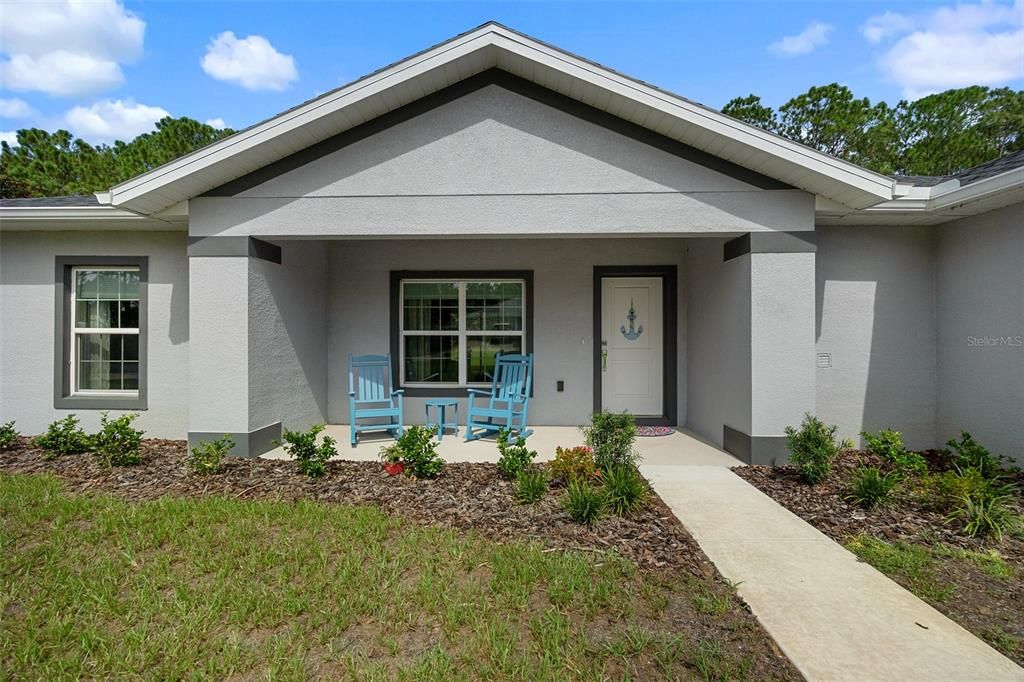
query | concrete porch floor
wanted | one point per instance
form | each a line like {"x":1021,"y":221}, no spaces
{"x":680,"y":447}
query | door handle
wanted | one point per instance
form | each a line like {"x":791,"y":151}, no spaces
{"x":604,"y":356}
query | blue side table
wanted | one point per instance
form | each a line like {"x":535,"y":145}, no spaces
{"x":440,"y":406}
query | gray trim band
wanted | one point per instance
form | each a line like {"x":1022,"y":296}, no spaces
{"x":770,"y":242}
{"x":251,"y":444}
{"x":62,"y":398}
{"x":237,"y":247}
{"x":754,"y":449}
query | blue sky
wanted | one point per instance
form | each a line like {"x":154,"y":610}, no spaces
{"x":107,"y":70}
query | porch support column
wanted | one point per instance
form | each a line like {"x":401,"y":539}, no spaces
{"x":782,"y":341}
{"x":219,"y":337}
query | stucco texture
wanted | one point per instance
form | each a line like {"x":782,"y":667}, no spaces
{"x":27,"y":296}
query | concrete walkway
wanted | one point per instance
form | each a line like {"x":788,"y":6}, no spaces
{"x":834,"y":617}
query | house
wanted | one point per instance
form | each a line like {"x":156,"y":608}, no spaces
{"x":496,"y":193}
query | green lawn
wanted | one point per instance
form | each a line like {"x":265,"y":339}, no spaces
{"x":97,"y":587}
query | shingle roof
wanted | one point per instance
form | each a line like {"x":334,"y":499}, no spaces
{"x":969,"y":175}
{"x":77,"y":200}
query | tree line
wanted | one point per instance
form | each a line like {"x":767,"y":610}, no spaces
{"x":936,"y":135}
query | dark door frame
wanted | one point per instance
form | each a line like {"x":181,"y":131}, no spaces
{"x":669,"y":294}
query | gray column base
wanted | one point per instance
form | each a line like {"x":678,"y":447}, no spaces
{"x":754,"y":449}
{"x":251,"y":444}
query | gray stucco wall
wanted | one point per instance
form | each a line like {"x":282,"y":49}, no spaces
{"x":27,"y":319}
{"x":876,"y":318}
{"x":359,"y":313}
{"x":497,"y":163}
{"x":718,"y":340}
{"x":288,"y":337}
{"x":980,"y":285}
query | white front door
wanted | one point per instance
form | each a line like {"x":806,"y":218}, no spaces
{"x":631,"y":345}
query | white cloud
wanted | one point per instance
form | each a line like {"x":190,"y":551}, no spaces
{"x":60,"y":73}
{"x":815,"y":35}
{"x":10,"y":137}
{"x":109,"y":120}
{"x":217,"y":123}
{"x":69,"y":47}
{"x":950,"y":47}
{"x":15,"y":108}
{"x":878,"y":28}
{"x":251,"y":62}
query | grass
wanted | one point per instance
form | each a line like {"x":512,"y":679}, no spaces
{"x":92,"y":586}
{"x":917,"y":564}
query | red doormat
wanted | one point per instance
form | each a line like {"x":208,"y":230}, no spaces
{"x":654,"y":430}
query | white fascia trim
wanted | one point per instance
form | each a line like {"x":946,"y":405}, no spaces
{"x":950,"y":193}
{"x":502,"y":38}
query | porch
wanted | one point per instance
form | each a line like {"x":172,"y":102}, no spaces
{"x":681,"y":447}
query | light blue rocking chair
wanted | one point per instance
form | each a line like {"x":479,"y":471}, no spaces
{"x":507,"y":401}
{"x":370,"y":395}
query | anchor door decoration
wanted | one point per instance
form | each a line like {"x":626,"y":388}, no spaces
{"x":634,"y":332}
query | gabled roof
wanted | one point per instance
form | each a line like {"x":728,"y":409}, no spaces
{"x":495,"y":46}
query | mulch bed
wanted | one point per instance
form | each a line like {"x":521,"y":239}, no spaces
{"x":980,"y":601}
{"x":464,"y":496}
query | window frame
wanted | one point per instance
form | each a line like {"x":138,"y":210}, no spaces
{"x":76,"y":332}
{"x":65,"y":393}
{"x":459,"y":277}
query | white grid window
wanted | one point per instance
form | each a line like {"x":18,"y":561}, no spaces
{"x":105,"y":330}
{"x":452,"y":330}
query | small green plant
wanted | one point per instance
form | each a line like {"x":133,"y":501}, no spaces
{"x":812,"y":448}
{"x":573,"y":464}
{"x":8,"y":434}
{"x":117,"y":443}
{"x":515,"y":456}
{"x":625,"y":490}
{"x":311,"y":458}
{"x":611,"y":436}
{"x":585,"y":503}
{"x":970,"y":454}
{"x":207,"y":457}
{"x":531,"y":484}
{"x":990,"y":515}
{"x":419,"y":452}
{"x":870,"y":487}
{"x":64,"y":437}
{"x":888,"y":445}
{"x":847,"y":444}
{"x":944,"y":491}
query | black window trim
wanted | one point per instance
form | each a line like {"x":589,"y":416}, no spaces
{"x":63,"y":397}
{"x":396,"y":310}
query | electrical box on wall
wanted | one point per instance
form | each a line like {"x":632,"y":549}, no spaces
{"x":560,"y":385}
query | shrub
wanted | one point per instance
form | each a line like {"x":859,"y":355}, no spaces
{"x":847,"y":444}
{"x":970,"y":454}
{"x":515,"y":456}
{"x":311,"y":458}
{"x":625,"y":490}
{"x":206,"y":458}
{"x":117,"y":443}
{"x":573,"y":464}
{"x":585,"y":503}
{"x":812,"y":448}
{"x":419,"y":452}
{"x":990,"y":515}
{"x":531,"y":484}
{"x":870,"y":487}
{"x":611,"y":436}
{"x":888,"y":445}
{"x":946,"y":490}
{"x":64,"y":437}
{"x":7,"y":435}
